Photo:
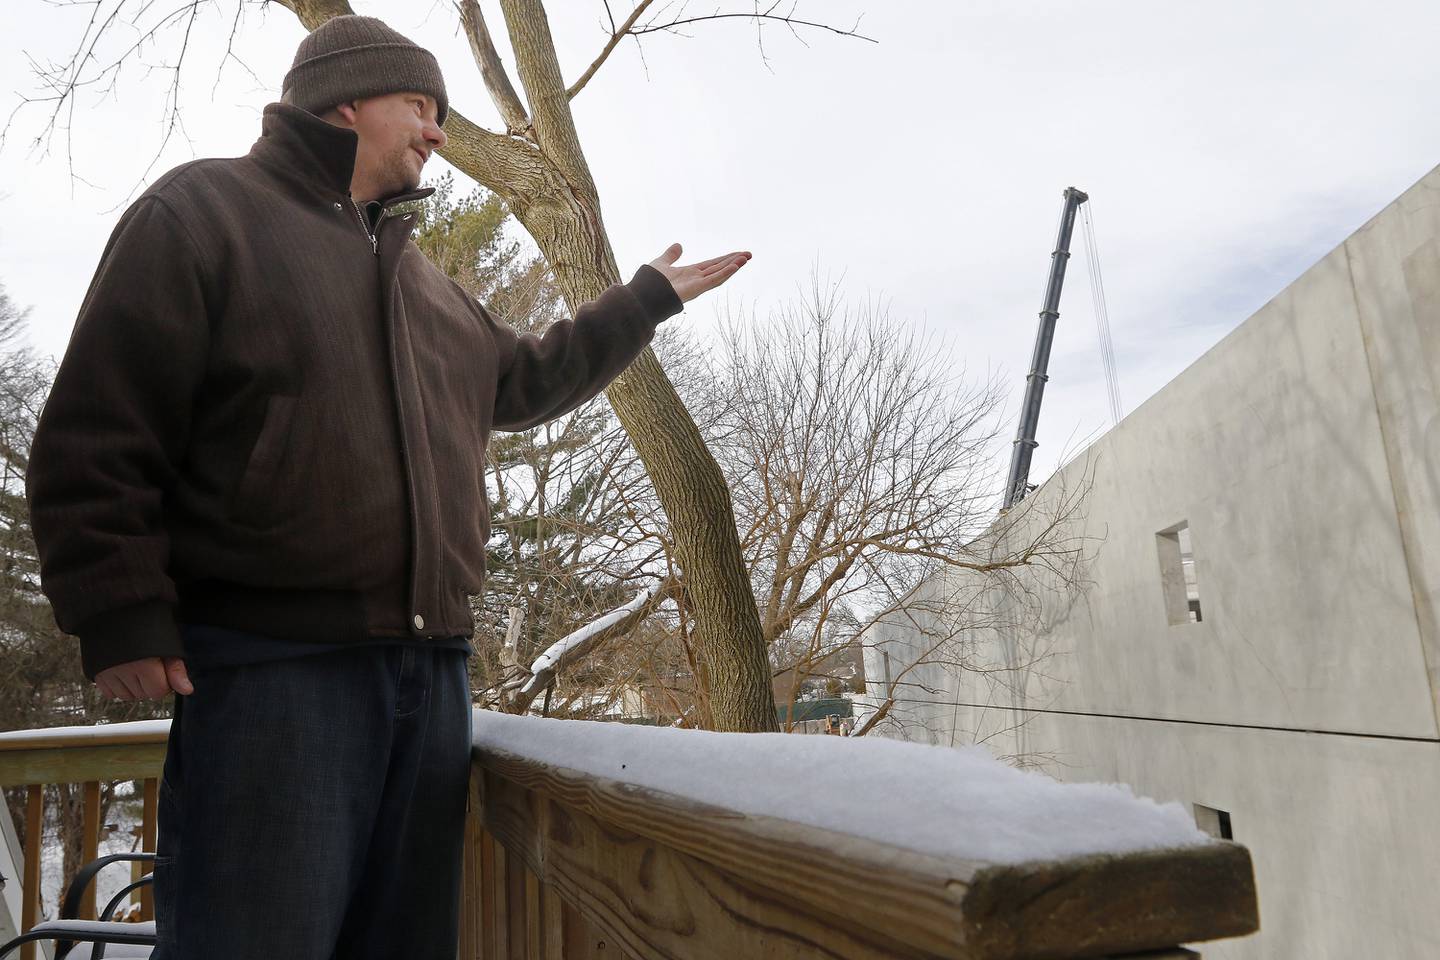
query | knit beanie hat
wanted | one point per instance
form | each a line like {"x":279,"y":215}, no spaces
{"x":350,"y":57}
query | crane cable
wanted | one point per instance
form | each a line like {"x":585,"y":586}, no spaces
{"x":1102,"y":315}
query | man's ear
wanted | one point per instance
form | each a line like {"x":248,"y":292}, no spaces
{"x":347,"y":111}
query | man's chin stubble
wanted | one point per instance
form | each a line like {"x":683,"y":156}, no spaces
{"x":405,"y":177}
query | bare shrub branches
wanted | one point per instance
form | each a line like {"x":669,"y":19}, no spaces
{"x":981,"y":635}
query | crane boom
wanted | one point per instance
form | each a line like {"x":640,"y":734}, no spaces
{"x":1017,"y":483}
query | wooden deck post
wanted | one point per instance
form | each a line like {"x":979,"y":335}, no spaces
{"x":90,"y":841}
{"x":487,"y":894}
{"x":499,"y":918}
{"x":34,"y":843}
{"x":149,"y":824}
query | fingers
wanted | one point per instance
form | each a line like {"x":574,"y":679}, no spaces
{"x":716,"y":263}
{"x":102,"y":683}
{"x":733,"y":264}
{"x":671,"y":254}
{"x":124,"y":685}
{"x":148,"y":679}
{"x":724,"y":274}
{"x":178,"y":676}
{"x":720,"y":275}
{"x":151,"y":679}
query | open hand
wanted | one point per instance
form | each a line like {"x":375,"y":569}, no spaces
{"x":148,"y":679}
{"x":694,"y":279}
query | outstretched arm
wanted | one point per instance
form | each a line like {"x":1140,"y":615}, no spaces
{"x":543,"y":377}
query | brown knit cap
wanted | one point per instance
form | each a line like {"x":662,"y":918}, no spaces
{"x":350,"y":57}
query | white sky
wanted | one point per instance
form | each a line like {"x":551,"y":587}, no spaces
{"x":1227,"y":145}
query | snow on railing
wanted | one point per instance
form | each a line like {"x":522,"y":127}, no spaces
{"x":688,"y":844}
{"x":617,"y":840}
{"x":851,"y":786}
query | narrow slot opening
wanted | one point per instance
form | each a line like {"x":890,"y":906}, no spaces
{"x":1178,"y":579}
{"x":1213,"y":821}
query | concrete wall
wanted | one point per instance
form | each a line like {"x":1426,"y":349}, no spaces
{"x":1303,"y":452}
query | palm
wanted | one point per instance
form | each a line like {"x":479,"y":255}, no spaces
{"x":694,"y":279}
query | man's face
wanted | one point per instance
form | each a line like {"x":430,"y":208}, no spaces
{"x":398,"y":133}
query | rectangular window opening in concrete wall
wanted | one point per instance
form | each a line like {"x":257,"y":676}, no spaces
{"x":1214,"y":822}
{"x":1177,"y":574}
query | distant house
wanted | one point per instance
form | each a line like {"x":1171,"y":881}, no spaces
{"x":820,"y":687}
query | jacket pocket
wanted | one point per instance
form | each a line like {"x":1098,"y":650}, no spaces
{"x":251,"y":505}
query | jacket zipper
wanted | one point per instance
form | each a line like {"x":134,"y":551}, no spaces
{"x":374,"y":243}
{"x":400,"y":410}
{"x":412,"y":593}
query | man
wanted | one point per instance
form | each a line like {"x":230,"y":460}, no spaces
{"x":258,"y":482}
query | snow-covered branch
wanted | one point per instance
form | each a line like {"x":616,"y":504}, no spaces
{"x":578,"y":643}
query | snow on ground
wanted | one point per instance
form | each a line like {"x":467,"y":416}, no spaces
{"x":111,"y":879}
{"x":947,"y":802}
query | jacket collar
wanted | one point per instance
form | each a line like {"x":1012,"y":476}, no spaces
{"x":297,"y":144}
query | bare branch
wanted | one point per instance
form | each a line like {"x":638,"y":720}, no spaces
{"x":492,"y":71}
{"x":64,"y":80}
{"x":230,"y":53}
{"x":673,"y":25}
{"x":538,"y":67}
{"x":313,"y":13}
{"x":584,"y":642}
{"x":616,"y":35}
{"x":761,"y":16}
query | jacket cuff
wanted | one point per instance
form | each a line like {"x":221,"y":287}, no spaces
{"x":657,"y":297}
{"x":136,"y":632}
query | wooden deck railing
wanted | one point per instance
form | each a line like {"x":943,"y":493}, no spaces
{"x":89,"y":756}
{"x":560,"y":863}
{"x":566,"y":864}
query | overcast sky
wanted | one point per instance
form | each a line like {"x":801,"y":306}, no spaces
{"x":1227,"y":145}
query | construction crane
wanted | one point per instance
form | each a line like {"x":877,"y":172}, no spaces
{"x":1017,"y":483}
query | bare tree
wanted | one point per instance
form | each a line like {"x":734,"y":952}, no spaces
{"x":862,"y":464}
{"x":536,"y":166}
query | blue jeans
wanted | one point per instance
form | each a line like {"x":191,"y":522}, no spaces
{"x":314,"y":809}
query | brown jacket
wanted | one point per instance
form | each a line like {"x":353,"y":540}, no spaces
{"x":263,"y":421}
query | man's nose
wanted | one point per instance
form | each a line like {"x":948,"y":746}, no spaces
{"x":435,"y":136}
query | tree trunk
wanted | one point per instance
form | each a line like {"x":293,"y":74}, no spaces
{"x":547,"y":185}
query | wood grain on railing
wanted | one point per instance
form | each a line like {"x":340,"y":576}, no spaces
{"x":646,"y":875}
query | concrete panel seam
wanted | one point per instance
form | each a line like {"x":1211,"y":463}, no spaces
{"x":1196,"y":723}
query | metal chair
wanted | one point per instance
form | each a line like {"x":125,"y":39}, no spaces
{"x":89,"y":939}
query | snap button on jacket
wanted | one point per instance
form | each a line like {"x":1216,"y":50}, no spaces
{"x":266,"y":421}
